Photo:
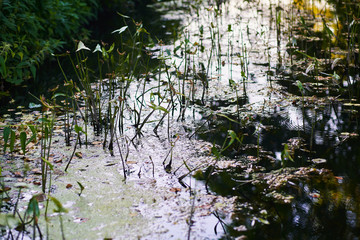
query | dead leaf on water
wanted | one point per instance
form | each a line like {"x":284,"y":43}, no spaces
{"x":36,"y":171}
{"x":133,"y":214}
{"x":109,"y":164}
{"x":319,"y":160}
{"x":40,"y":197}
{"x":5,"y":189}
{"x":175,"y":190}
{"x":131,"y":162}
{"x":18,"y":174}
{"x":58,"y":160}
{"x":96,"y":143}
{"x":26,"y":159}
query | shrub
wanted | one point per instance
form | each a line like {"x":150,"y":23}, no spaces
{"x":32,"y":29}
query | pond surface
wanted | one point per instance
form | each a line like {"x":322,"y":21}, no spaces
{"x":245,"y":126}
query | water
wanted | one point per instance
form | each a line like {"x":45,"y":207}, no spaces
{"x":291,"y":173}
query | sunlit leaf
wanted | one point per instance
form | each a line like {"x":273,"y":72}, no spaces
{"x":327,"y":29}
{"x":300,"y":86}
{"x":336,"y":60}
{"x":264,"y":221}
{"x":310,"y":68}
{"x":33,"y":105}
{"x":97,"y":48}
{"x":336,"y":77}
{"x":58,"y":95}
{"x":81,"y":46}
{"x":122,"y":15}
{"x":318,"y":160}
{"x":233,"y":136}
{"x":120,"y":30}
{"x":285,"y":154}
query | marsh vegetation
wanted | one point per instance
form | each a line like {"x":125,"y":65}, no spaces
{"x":235,"y":119}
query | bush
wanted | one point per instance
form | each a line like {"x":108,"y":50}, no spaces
{"x":32,"y":29}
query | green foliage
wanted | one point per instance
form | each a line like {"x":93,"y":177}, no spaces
{"x":23,"y":141}
{"x":81,"y":188}
{"x":31,"y":30}
{"x":33,"y":208}
{"x":58,"y":206}
{"x":286,"y":155}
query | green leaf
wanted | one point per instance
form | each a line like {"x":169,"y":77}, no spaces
{"x":81,"y":187}
{"x":336,"y":76}
{"x":23,"y":141}
{"x":124,"y":16}
{"x":19,"y":73}
{"x":21,"y":55}
{"x":310,"y":68}
{"x":111,"y":48}
{"x":6,"y":134}
{"x":223,"y":115}
{"x":120,"y":30}
{"x":58,"y":95}
{"x":12,"y":140}
{"x":264,"y":221}
{"x":34,"y":105}
{"x":33,"y":207}
{"x":33,"y":71}
{"x":33,"y":137}
{"x":233,"y":136}
{"x":168,"y":52}
{"x":59,"y":206}
{"x":3,"y":70}
{"x":48,"y":163}
{"x":327,"y":29}
{"x":300,"y":86}
{"x":46,"y":132}
{"x":155,"y":107}
{"x":8,"y":220}
{"x":215,"y":151}
{"x":78,"y":129}
{"x":232,"y":83}
{"x":335,"y":62}
{"x":285,"y":154}
{"x":140,"y":30}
